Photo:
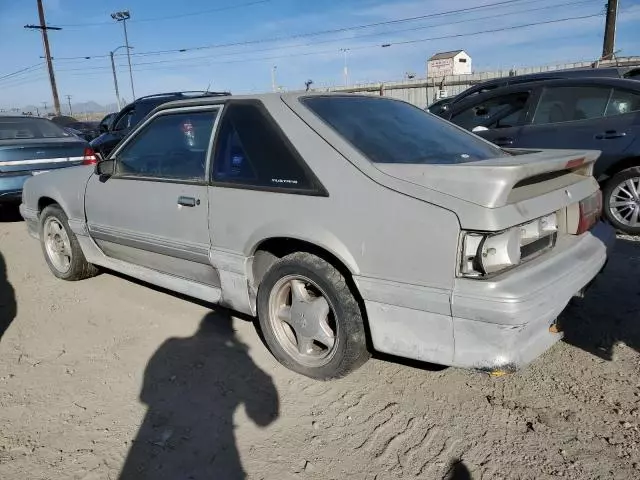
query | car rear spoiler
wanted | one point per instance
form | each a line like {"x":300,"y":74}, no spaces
{"x":501,"y":181}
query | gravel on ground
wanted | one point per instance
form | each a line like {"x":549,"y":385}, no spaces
{"x":109,"y":378}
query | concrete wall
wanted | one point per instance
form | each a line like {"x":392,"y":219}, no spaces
{"x":423,"y":92}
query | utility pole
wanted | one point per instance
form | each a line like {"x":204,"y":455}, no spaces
{"x":45,"y":40}
{"x":346,"y":69}
{"x":610,"y":30}
{"x":273,"y":78}
{"x":69,"y":100}
{"x":123,"y":16}
{"x":45,"y":108}
{"x":115,"y":77}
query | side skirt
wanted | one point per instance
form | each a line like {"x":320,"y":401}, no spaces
{"x":94,"y":255}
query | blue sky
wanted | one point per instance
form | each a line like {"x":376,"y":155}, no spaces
{"x":169,"y":25}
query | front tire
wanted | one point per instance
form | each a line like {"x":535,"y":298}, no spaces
{"x":60,"y":247}
{"x":310,"y":319}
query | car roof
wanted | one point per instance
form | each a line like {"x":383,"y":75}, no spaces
{"x":167,"y":96}
{"x":574,"y":73}
{"x":613,"y":72}
{"x":262,"y":97}
{"x":607,"y":81}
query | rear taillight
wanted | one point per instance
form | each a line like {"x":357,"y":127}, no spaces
{"x":590,"y":212}
{"x":89,"y":157}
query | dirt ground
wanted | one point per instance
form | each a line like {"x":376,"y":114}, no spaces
{"x":108,"y":378}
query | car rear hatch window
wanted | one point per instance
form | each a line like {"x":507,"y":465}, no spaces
{"x":390,"y":131}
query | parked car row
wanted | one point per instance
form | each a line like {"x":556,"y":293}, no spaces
{"x":342,"y":222}
{"x":30,"y":146}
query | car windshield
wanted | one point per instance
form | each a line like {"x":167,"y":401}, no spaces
{"x":389,"y":131}
{"x":26,"y":128}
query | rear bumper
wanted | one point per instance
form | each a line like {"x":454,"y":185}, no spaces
{"x":11,"y":188}
{"x":502,"y":323}
{"x":30,"y":219}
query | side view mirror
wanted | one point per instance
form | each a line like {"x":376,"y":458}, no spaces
{"x":479,"y":128}
{"x":105,"y":168}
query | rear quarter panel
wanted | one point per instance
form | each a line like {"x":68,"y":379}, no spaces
{"x":65,"y":186}
{"x":375,"y":231}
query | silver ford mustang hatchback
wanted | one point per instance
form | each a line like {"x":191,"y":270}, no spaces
{"x":344,"y":223}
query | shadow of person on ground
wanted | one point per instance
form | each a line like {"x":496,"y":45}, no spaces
{"x":458,"y":471}
{"x":610,"y":311}
{"x":8,"y":305}
{"x":192,"y":387}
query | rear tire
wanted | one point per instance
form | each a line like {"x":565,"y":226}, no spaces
{"x":60,"y":247}
{"x":310,"y":319}
{"x":621,"y":198}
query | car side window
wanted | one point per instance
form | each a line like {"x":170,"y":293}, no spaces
{"x":124,"y":121}
{"x":497,"y":112}
{"x":566,"y":104}
{"x":172,"y":146}
{"x":623,"y":101}
{"x":251,"y":150}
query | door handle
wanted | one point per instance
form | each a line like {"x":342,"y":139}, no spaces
{"x":502,"y":141}
{"x":188,"y":201}
{"x":609,"y":134}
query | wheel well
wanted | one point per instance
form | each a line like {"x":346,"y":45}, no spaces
{"x":44,"y":202}
{"x":622,"y":165}
{"x":272,"y":249}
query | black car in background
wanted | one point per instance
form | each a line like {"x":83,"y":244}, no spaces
{"x":443,"y":106}
{"x":31,"y":146}
{"x":133,"y":114}
{"x":582,"y":113}
{"x":106,"y":122}
{"x":439,"y":105}
{"x":86,"y":130}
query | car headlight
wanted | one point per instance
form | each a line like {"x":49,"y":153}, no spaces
{"x":486,"y":254}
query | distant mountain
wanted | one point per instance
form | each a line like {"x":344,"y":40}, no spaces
{"x":78,"y":108}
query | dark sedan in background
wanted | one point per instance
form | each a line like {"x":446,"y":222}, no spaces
{"x":441,"y":107}
{"x":30,"y":146}
{"x":592,"y":113}
{"x":87,"y":130}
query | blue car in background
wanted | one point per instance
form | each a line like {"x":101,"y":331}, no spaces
{"x":30,"y":146}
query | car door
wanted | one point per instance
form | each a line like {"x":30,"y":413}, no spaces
{"x":153,"y":211}
{"x":497,"y":117}
{"x":582,"y":116}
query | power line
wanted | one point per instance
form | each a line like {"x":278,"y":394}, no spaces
{"x":25,"y":69}
{"x":385,"y":45}
{"x":310,"y":34}
{"x":406,"y":42}
{"x":173,"y":17}
{"x":378,"y":34}
{"x":389,"y":44}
